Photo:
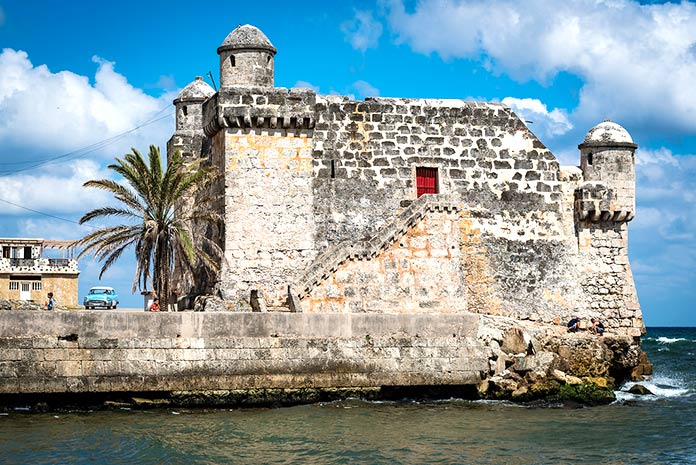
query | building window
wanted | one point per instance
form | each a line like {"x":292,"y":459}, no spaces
{"x":36,"y":286}
{"x":14,"y":286}
{"x":426,"y":181}
{"x":589,"y":158}
{"x":5,"y":251}
{"x":232,"y":61}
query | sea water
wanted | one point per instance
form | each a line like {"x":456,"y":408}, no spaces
{"x":653,"y":429}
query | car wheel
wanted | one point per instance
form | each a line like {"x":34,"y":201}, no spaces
{"x":115,"y":305}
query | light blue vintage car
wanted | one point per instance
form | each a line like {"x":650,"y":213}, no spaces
{"x":101,"y":296}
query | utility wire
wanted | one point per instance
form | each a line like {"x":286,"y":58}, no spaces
{"x":83,"y":150}
{"x":45,"y":214}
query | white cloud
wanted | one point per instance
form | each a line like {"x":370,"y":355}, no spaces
{"x":365,"y":89}
{"x":636,"y":61}
{"x":306,"y":85}
{"x":52,"y":113}
{"x":357,"y":90}
{"x":663,"y":233}
{"x":48,"y":228}
{"x":545,"y":123}
{"x":55,"y":190}
{"x":363,"y":31}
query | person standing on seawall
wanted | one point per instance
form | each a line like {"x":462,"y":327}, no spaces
{"x":51,"y":302}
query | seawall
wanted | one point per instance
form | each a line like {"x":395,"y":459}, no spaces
{"x":106,"y":352}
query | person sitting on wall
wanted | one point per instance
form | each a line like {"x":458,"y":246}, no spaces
{"x":155,"y":305}
{"x":597,"y":327}
{"x":51,"y":302}
{"x":574,"y":325}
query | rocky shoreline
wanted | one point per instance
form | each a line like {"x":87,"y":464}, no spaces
{"x":531,"y":362}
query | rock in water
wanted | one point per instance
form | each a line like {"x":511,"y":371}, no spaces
{"x":640,"y":390}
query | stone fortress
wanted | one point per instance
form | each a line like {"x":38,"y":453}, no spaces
{"x":394,"y":205}
{"x":371,"y":247}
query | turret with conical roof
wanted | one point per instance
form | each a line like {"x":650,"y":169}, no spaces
{"x":189,"y":137}
{"x":189,"y":110}
{"x":246,"y":58}
{"x":607,"y":161}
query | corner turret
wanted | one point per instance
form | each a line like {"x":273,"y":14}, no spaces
{"x":188,"y":103}
{"x":246,"y":58}
{"x":607,"y":161}
{"x":188,"y":138}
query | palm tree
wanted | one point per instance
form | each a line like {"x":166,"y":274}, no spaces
{"x":164,"y":242}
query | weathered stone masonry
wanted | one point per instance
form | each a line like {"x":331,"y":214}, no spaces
{"x":338,"y":274}
{"x":112,"y":352}
{"x":319,"y":194}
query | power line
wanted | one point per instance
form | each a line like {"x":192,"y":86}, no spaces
{"x":69,"y":156}
{"x":44,"y":214}
{"x":83,"y":150}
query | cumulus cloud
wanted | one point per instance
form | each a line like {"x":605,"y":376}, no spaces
{"x":59,"y":129}
{"x":306,"y":85}
{"x":544,"y":122}
{"x":363,"y":31}
{"x":59,"y":190}
{"x":663,"y":233}
{"x":365,"y":89}
{"x":636,"y":61}
{"x":47,"y":112}
{"x":357,"y":90}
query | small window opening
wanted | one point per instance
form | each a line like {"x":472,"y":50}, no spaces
{"x":589,"y":158}
{"x":268,"y":59}
{"x":14,"y":286}
{"x":5,"y":251}
{"x":426,"y":181}
{"x":232,"y":61}
{"x":185,"y":110}
{"x":333,"y":169}
{"x":27,"y":252}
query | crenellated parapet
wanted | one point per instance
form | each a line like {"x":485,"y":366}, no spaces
{"x":596,"y":202}
{"x":259,"y":107}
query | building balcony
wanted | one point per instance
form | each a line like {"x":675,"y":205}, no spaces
{"x":38,"y":265}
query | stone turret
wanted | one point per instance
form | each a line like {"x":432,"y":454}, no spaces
{"x":607,"y":161}
{"x":189,"y":137}
{"x":188,"y":103}
{"x":246,"y":58}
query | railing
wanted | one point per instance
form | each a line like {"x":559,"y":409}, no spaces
{"x":329,"y":260}
{"x":39,"y":265}
{"x":22,"y":261}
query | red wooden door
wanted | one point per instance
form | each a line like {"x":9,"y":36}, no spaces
{"x":426,"y":181}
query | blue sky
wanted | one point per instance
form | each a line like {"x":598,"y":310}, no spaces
{"x":74,"y":74}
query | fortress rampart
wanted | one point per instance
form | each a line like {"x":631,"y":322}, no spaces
{"x":326,"y":210}
{"x":383,"y":242}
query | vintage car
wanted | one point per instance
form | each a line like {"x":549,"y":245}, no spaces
{"x":101,"y":296}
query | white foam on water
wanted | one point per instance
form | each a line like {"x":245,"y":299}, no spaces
{"x":660,"y":386}
{"x":669,"y":340}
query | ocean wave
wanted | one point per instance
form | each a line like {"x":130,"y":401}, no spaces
{"x":660,"y":386}
{"x":669,"y":340}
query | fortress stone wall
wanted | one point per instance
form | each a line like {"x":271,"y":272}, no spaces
{"x":323,"y":213}
{"x":373,"y":244}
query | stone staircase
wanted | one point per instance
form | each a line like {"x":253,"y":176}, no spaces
{"x":329,"y":261}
